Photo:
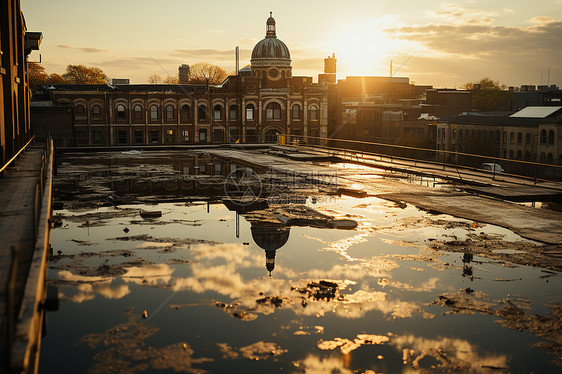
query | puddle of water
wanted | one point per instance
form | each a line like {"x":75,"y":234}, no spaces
{"x":405,"y":291}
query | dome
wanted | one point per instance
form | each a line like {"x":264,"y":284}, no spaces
{"x":271,"y":48}
{"x":270,"y":238}
{"x":270,"y":51}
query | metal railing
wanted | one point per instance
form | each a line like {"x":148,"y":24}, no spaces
{"x":534,"y":171}
{"x":16,"y":155}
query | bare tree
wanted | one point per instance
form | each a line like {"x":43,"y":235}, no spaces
{"x":155,"y":79}
{"x":204,"y":72}
{"x":171,"y":80}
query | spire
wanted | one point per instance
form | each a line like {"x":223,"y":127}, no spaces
{"x":270,"y":26}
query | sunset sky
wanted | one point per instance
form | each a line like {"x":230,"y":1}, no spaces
{"x":444,"y":44}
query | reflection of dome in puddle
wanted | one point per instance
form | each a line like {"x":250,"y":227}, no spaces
{"x":270,"y":238}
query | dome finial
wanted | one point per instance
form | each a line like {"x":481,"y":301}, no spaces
{"x":270,"y":26}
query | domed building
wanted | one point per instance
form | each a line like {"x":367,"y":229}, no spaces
{"x":270,"y":239}
{"x":255,"y":105}
{"x":271,"y":57}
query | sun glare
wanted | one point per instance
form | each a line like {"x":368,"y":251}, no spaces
{"x":364,"y":49}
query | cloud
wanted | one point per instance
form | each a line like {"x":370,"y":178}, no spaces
{"x":83,"y":49}
{"x":464,"y":51}
{"x":455,"y":13}
{"x":208,"y":53}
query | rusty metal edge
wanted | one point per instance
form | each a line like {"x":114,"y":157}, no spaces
{"x":27,"y":344}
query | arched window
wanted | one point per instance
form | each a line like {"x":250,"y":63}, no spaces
{"x":169,"y":112}
{"x":519,"y":138}
{"x":527,"y":138}
{"x":250,"y":112}
{"x":512,"y":137}
{"x":296,"y":111}
{"x":154,"y":112}
{"x":202,"y":112}
{"x":551,"y":137}
{"x":80,"y":110}
{"x":543,"y":136}
{"x":217,"y":112}
{"x":314,"y":112}
{"x":137,"y":112}
{"x":233,"y":112}
{"x":273,"y":111}
{"x":184,"y":112}
{"x":121,"y":112}
{"x":96,"y":111}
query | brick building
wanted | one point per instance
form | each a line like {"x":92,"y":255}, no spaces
{"x":260,"y":102}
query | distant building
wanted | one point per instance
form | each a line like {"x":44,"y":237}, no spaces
{"x":115,"y":81}
{"x":16,"y":45}
{"x":380,"y":110}
{"x":329,"y":76}
{"x":265,"y":100}
{"x":532,"y":134}
{"x":448,"y":102}
{"x":183,"y":74}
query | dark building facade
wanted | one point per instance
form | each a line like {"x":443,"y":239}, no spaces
{"x":16,"y":44}
{"x":262,"y":101}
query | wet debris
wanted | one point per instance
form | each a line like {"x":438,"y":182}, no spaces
{"x":512,"y":314}
{"x":257,"y":351}
{"x":151,"y":214}
{"x":298,"y":215}
{"x":346,"y":345}
{"x":123,"y":349}
{"x":322,"y":290}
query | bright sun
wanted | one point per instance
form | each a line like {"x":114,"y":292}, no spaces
{"x":364,"y":49}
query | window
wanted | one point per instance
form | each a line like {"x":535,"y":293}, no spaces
{"x":139,"y":137}
{"x":273,"y":111}
{"x":233,"y":112}
{"x":527,"y":138}
{"x":512,"y":137}
{"x":121,"y":112}
{"x":543,"y":136}
{"x":454,"y":133}
{"x":96,"y":137}
{"x":519,"y":154}
{"x":313,"y":112}
{"x":551,"y":137}
{"x":185,"y":112}
{"x":250,"y":112}
{"x":154,"y":136}
{"x":511,"y":154}
{"x":202,"y":112}
{"x":504,"y":140}
{"x":154,"y":112}
{"x":217,"y":112}
{"x":296,"y":111}
{"x":96,"y":111}
{"x":80,"y":110}
{"x":185,"y":135}
{"x":169,"y":112}
{"x":121,"y":137}
{"x":519,"y":138}
{"x":137,"y":112}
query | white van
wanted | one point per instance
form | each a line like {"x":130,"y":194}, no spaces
{"x":489,"y":166}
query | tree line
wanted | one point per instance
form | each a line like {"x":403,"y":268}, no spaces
{"x":202,"y":72}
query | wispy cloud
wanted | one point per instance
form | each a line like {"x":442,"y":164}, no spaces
{"x":455,"y":13}
{"x":83,"y":49}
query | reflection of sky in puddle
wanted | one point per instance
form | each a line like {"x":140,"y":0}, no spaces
{"x":237,"y":318}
